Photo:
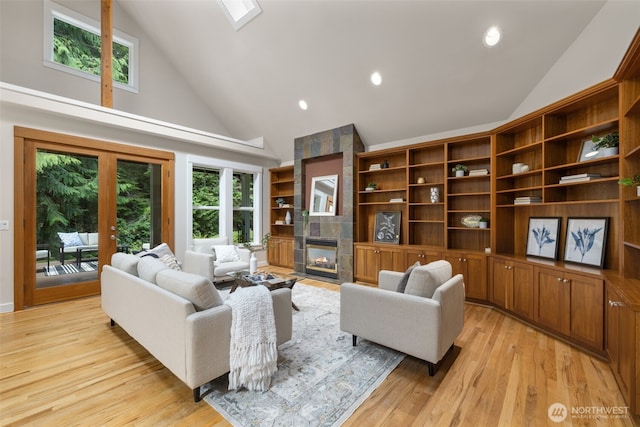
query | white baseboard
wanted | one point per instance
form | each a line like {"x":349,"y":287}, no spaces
{"x":6,"y":308}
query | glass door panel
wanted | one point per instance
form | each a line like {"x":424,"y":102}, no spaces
{"x":139,"y":206}
{"x":66,"y":218}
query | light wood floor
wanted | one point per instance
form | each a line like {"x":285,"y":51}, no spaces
{"x":62,"y":365}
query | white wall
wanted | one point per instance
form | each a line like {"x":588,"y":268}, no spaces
{"x":592,"y":58}
{"x":55,"y":116}
{"x":163,"y":94}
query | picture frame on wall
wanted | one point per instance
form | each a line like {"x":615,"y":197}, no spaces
{"x":588,"y":151}
{"x":387,"y":227}
{"x":543,"y":237}
{"x":586,"y":240}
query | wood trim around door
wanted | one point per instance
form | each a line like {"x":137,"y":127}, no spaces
{"x":23,"y":169}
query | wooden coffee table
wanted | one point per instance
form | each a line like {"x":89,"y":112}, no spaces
{"x":271,"y":281}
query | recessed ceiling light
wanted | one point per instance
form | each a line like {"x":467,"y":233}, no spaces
{"x":303,"y":104}
{"x":492,"y":36}
{"x":376,"y":78}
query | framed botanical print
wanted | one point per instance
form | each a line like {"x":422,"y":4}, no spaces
{"x":585,"y":241}
{"x":542,"y":237}
{"x":387,"y":227}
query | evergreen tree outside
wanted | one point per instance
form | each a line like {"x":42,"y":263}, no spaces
{"x":80,"y":49}
{"x":206,"y":203}
{"x":67,"y":199}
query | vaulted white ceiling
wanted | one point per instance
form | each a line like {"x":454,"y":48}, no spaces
{"x":437,"y":75}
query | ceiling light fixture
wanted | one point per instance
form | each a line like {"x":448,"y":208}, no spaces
{"x":376,"y":78}
{"x":303,"y":104}
{"x":492,"y":36}
{"x":239,"y":12}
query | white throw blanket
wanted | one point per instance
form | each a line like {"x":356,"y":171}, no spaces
{"x":254,"y":352}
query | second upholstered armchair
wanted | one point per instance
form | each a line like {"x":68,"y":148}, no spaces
{"x":423,"y":320}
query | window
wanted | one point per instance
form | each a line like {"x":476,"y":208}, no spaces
{"x":206,"y":203}
{"x":226,"y":200}
{"x":242,"y":207}
{"x":72,"y":44}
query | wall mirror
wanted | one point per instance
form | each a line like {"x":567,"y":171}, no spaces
{"x":324,"y":190}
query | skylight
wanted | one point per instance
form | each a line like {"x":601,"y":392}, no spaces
{"x":240,"y":12}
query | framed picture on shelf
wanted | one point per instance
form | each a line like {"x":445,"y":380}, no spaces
{"x":542,"y":237}
{"x":387,"y":227}
{"x":588,"y":151}
{"x":585,"y":241}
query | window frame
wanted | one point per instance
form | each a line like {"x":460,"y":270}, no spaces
{"x":226,"y":207}
{"x":55,"y":11}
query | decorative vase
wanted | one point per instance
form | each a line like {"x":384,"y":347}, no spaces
{"x":459,"y":173}
{"x":638,"y":190}
{"x":253,"y":263}
{"x":287,"y":218}
{"x":435,"y":195}
{"x":483,"y":224}
{"x":610,"y":151}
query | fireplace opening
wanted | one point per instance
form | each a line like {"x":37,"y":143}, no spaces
{"x":322,"y":258}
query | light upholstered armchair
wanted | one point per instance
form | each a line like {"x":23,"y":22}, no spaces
{"x":422,"y":321}
{"x":203,"y":260}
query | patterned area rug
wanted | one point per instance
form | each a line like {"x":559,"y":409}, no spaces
{"x":70,"y":268}
{"x":321,"y":378}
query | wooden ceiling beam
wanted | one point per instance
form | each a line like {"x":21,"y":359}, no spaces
{"x":106,"y":70}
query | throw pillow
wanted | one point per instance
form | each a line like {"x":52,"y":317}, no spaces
{"x":226,"y":253}
{"x":403,"y":282}
{"x":164,"y":254}
{"x":424,"y":280}
{"x":197,"y":289}
{"x":71,"y":239}
{"x":125,"y":262}
{"x":149,"y":267}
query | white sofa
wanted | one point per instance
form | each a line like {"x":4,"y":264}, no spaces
{"x":201,"y":259}
{"x":189,"y":334}
{"x":423,"y":321}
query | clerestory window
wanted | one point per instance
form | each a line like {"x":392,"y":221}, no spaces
{"x":72,"y":44}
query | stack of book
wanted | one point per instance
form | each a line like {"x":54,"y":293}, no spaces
{"x":375,"y":167}
{"x":476,"y":172}
{"x":527,"y":200}
{"x":396,"y":200}
{"x":579,"y":178}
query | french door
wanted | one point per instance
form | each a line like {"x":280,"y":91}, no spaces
{"x":81,"y":200}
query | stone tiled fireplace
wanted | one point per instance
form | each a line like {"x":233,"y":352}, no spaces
{"x":325,"y":153}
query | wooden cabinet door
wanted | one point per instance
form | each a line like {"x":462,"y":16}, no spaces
{"x":390,"y":259}
{"x":423,"y":256}
{"x":366,"y":263}
{"x":273,"y":252}
{"x":474,"y":269}
{"x":627,"y":341}
{"x":501,"y":278}
{"x":620,"y":338}
{"x":286,"y":253}
{"x":553,"y":300}
{"x":476,"y":266}
{"x":611,"y":313}
{"x":587,"y":310}
{"x":280,"y":252}
{"x":520,"y":299}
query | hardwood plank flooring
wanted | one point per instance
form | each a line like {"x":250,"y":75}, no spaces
{"x":62,"y":364}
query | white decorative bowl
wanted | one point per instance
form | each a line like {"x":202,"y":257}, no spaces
{"x":471,"y":221}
